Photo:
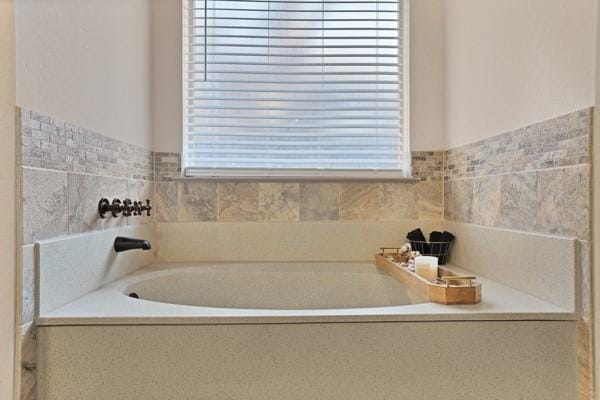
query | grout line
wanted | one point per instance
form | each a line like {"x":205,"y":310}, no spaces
{"x":82,"y":173}
{"x":503,"y":229}
{"x":519,"y":172}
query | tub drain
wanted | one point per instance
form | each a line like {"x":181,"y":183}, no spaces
{"x":134,"y":295}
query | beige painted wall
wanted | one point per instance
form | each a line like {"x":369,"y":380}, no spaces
{"x":427,"y":75}
{"x":87,"y":62}
{"x":427,"y":79}
{"x":596,"y":218}
{"x":513,"y":62}
{"x":166,"y":75}
{"x":7,"y":199}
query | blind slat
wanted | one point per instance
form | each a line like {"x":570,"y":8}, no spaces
{"x":289,"y":109}
{"x":299,"y":19}
{"x":364,"y":73}
{"x":276,"y":28}
{"x":274,"y":46}
{"x":291,"y":11}
{"x":297,"y":2}
{"x":312,"y":152}
{"x":278,"y":64}
{"x":359,"y":55}
{"x":295,"y":100}
{"x":334,"y":143}
{"x":270,"y":117}
{"x":297,"y":37}
{"x":313,"y":126}
{"x":368,"y":137}
{"x":307,"y":162}
{"x":299,"y":82}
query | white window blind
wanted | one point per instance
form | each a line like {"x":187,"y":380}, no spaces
{"x":294,"y":85}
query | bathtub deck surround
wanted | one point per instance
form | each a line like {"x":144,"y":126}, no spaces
{"x":68,"y":268}
{"x":552,"y":275}
{"x":321,"y":322}
{"x":304,"y":361}
{"x":167,"y":290}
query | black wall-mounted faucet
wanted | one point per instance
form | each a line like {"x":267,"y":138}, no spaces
{"x":125,"y":243}
{"x":126,"y":207}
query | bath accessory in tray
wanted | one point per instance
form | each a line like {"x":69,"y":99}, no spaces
{"x":450,"y":288}
{"x":439,"y":244}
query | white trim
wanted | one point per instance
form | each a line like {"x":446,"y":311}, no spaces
{"x":406,"y":20}
{"x":296,"y":174}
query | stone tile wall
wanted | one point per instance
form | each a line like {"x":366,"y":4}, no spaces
{"x":558,"y":142}
{"x":201,"y":200}
{"x":64,"y":171}
{"x":194,"y":201}
{"x":534,"y":179}
{"x":167,"y":166}
{"x":427,"y":165}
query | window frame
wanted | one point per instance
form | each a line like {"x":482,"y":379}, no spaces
{"x":309,"y":174}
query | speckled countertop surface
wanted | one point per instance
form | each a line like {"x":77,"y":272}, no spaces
{"x":110,"y":306}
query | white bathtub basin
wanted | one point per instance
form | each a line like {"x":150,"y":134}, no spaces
{"x":279,"y":292}
{"x":275,"y":286}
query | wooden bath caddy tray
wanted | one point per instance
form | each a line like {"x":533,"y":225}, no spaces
{"x":449,"y":289}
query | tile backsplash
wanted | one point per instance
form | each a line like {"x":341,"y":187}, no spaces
{"x":49,"y":143}
{"x":66,"y":169}
{"x":557,"y":142}
{"x":198,"y":200}
{"x":534,"y":179}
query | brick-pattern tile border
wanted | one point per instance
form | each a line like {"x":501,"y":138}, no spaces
{"x":428,"y":165}
{"x":167,"y":166}
{"x":558,"y":142}
{"x":46,"y":142}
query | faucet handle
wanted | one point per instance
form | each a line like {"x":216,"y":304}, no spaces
{"x":147,"y":208}
{"x":116,"y":207}
{"x":137,"y":208}
{"x":127,"y":208}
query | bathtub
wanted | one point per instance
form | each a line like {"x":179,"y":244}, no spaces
{"x":275,"y":286}
{"x":300,"y":331}
{"x":278,"y":292}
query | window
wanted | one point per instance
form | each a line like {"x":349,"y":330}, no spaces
{"x":294,"y":86}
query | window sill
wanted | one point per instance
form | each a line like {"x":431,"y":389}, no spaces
{"x":296,"y":175}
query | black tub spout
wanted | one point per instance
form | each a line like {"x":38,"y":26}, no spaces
{"x":125,"y":243}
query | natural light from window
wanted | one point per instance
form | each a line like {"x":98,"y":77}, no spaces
{"x":294,"y":86}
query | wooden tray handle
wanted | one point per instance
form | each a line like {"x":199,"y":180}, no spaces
{"x":450,"y":278}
